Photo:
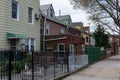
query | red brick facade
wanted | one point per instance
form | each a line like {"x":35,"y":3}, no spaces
{"x":114,"y":43}
{"x":70,"y":36}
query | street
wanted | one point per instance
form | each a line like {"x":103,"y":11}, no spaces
{"x":108,"y":69}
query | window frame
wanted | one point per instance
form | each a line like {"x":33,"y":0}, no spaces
{"x":31,"y":19}
{"x":59,"y":47}
{"x":47,"y":29}
{"x":87,"y":39}
{"x":30,"y":44}
{"x":17,"y":15}
{"x":62,"y":30}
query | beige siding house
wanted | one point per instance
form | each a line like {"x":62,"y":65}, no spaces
{"x":18,"y":25}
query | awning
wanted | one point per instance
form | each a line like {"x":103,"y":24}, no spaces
{"x":15,"y":36}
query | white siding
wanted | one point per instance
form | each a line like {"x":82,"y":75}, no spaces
{"x":22,"y":26}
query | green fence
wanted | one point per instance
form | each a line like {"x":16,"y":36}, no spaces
{"x":93,"y":54}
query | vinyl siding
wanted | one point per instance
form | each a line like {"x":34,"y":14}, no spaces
{"x":21,"y":26}
{"x":84,"y":36}
{"x":2,"y":24}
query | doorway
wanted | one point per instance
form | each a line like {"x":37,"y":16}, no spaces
{"x":13,"y":44}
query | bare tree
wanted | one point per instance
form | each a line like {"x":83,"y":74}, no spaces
{"x":104,"y":12}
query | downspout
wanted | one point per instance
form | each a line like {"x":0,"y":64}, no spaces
{"x":44,"y":31}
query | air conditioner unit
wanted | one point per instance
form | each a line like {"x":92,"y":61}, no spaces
{"x":37,"y":16}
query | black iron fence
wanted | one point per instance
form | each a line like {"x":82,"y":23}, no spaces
{"x":49,"y":65}
{"x":20,"y":65}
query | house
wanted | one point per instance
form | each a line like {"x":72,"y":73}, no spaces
{"x":48,"y":10}
{"x":59,"y":36}
{"x":115,"y":44}
{"x":66,"y":19}
{"x":19,"y":24}
{"x":86,"y":34}
{"x":85,"y":31}
{"x":58,"y":39}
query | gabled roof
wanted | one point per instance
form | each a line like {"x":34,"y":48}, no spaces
{"x":66,"y":19}
{"x":54,"y":20}
{"x":45,"y":7}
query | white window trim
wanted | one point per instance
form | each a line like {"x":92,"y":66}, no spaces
{"x":62,"y":30}
{"x":33,"y":16}
{"x":58,"y":47}
{"x":29,"y":44}
{"x":47,"y":27}
{"x":72,"y":49}
{"x":18,"y":15}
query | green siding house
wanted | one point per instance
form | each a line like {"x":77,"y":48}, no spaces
{"x":19,"y":24}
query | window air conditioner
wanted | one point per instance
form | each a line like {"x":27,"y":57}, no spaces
{"x":37,"y":16}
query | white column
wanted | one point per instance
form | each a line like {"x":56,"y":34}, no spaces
{"x":29,"y":46}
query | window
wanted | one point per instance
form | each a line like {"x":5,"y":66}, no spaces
{"x":62,"y":31}
{"x":86,"y":39}
{"x":30,"y":15}
{"x":51,"y":13}
{"x":15,"y":13}
{"x":47,"y":30}
{"x":61,"y":47}
{"x":72,"y":49}
{"x":30,"y":44}
{"x":41,"y":32}
{"x":27,"y":45}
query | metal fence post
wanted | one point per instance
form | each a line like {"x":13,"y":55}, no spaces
{"x":9,"y":65}
{"x":54,"y":64}
{"x":67,"y":61}
{"x":32,"y":66}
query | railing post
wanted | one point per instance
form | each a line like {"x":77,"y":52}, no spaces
{"x":32,"y":66}
{"x":54,"y":62}
{"x":67,"y":61}
{"x":9,"y":65}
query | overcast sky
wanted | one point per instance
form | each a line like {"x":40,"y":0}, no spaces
{"x":66,"y":9}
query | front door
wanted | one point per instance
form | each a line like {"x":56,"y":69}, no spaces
{"x":13,"y":44}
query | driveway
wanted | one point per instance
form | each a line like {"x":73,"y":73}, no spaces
{"x":108,"y":69}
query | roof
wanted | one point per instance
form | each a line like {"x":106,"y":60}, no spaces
{"x":54,"y":20}
{"x":63,"y":17}
{"x":77,"y":24}
{"x":44,"y":7}
{"x":66,"y":19}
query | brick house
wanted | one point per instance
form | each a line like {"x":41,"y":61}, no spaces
{"x":57,"y":36}
{"x":115,"y":44}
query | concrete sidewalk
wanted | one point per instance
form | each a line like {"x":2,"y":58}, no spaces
{"x":108,"y":69}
